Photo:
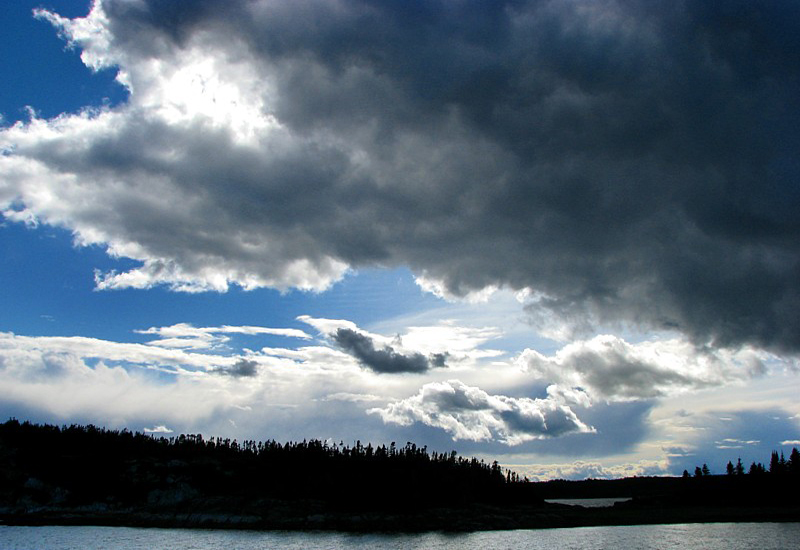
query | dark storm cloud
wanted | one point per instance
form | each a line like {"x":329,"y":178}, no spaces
{"x":628,"y":161}
{"x":385,"y":360}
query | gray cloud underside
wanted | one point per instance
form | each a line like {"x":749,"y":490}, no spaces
{"x":385,"y":360}
{"x":609,"y":368}
{"x":243,"y":368}
{"x":630,"y":161}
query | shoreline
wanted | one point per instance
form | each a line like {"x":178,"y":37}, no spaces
{"x":474,"y":518}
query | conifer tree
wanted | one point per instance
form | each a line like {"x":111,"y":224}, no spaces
{"x":794,"y":462}
{"x":774,"y":463}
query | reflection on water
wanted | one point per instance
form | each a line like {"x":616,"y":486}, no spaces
{"x":587,"y":502}
{"x":711,"y":536}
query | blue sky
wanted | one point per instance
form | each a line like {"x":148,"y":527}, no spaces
{"x":504,"y":229}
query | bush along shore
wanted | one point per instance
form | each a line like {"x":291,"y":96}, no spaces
{"x":87,"y":475}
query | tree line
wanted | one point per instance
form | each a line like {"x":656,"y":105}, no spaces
{"x":779,"y":465}
{"x":81,"y":464}
{"x":76,"y":466}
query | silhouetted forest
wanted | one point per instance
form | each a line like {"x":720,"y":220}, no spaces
{"x":91,"y":475}
{"x":80,"y":465}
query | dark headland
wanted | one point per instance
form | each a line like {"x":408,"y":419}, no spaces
{"x":84,"y":475}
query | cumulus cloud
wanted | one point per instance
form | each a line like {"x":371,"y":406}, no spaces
{"x":467,"y":412}
{"x":608,"y":367}
{"x":624,"y":161}
{"x":581,"y":469}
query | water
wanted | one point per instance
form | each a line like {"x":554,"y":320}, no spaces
{"x":588,"y":502}
{"x":709,"y":536}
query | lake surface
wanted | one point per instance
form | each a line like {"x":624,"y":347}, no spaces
{"x":709,"y":536}
{"x":587,"y":502}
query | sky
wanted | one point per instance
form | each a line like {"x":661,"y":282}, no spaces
{"x":561,"y":235}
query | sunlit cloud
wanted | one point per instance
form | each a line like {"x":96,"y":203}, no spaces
{"x":467,"y":412}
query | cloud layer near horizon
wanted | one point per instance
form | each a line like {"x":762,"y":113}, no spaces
{"x":622,"y":161}
{"x":591,"y":400}
{"x":195,"y":377}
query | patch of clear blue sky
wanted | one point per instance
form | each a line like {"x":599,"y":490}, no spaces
{"x":47,"y":289}
{"x":38,"y":70}
{"x":47,"y":285}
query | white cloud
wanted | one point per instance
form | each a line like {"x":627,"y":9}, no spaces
{"x":582,"y":469}
{"x":91,"y":33}
{"x":185,"y":335}
{"x":467,"y":412}
{"x":456,"y":341}
{"x":160,"y":429}
{"x":353,"y":397}
{"x":112,"y":395}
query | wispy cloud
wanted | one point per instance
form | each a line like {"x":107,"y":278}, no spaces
{"x":185,"y":335}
